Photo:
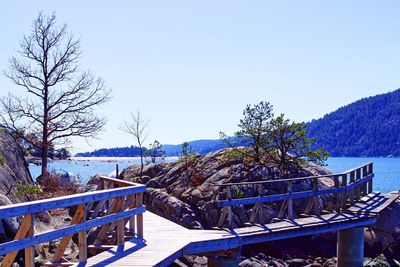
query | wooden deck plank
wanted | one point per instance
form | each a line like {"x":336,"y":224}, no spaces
{"x":165,"y":241}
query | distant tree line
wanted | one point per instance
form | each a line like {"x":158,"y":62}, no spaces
{"x":131,"y":151}
{"x":369,"y":127}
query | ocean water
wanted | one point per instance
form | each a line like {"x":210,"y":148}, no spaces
{"x":85,"y":168}
{"x":387,"y":170}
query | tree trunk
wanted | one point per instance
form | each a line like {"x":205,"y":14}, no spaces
{"x":45,"y":142}
{"x":141,"y":161}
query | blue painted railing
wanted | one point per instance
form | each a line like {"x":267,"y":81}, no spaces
{"x":111,"y":207}
{"x":348,"y":188}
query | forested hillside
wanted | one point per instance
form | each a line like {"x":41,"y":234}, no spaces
{"x":368,"y":127}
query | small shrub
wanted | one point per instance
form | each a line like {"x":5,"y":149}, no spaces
{"x":2,"y":160}
{"x":238,"y":193}
{"x":27,"y":189}
{"x":234,"y":153}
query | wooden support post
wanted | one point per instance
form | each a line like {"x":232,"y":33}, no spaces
{"x":229,"y":196}
{"x":133,"y":218}
{"x":79,"y":214}
{"x":29,"y":253}
{"x":258,"y":206}
{"x":364,"y":186}
{"x":82,"y":240}
{"x":121,"y":227}
{"x":139,"y":217}
{"x":317,"y":208}
{"x":344,"y":195}
{"x":358,"y":188}
{"x":24,"y":230}
{"x":370,"y":171}
{"x":290,"y":201}
{"x":282,"y":209}
{"x":222,"y":217}
{"x":337,"y":195}
{"x":351,"y":192}
{"x":105,"y":228}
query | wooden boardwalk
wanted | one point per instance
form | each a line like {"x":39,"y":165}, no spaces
{"x":166,"y":241}
{"x":142,"y":238}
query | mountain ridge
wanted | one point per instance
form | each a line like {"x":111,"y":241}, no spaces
{"x":367,"y":127}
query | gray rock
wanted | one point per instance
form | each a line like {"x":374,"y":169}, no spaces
{"x":9,"y":226}
{"x":13,"y":168}
{"x":196,"y":188}
{"x":44,"y":217}
{"x":54,"y":244}
{"x":66,"y":179}
{"x":332,"y":262}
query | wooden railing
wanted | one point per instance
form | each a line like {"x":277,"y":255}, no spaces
{"x":114,"y":205}
{"x":348,"y":188}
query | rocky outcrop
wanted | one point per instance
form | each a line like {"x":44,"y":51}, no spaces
{"x":13,"y":168}
{"x":185,"y":192}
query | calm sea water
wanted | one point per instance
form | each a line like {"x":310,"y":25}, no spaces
{"x":387,"y":170}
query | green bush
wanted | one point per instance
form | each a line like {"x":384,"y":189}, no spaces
{"x":238,"y":193}
{"x":2,"y":160}
{"x":27,"y":189}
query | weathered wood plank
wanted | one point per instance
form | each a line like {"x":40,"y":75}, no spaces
{"x":80,"y":212}
{"x":82,"y":239}
{"x":28,"y":252}
{"x":23,"y":231}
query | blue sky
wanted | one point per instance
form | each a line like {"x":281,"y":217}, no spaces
{"x":192,"y":66}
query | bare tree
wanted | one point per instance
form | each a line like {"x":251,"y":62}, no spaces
{"x":138,"y":127}
{"x":60,"y":99}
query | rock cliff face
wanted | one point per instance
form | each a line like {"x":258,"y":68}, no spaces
{"x":185,"y":192}
{"x":13,"y":168}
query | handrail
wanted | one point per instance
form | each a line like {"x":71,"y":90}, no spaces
{"x":348,"y":188}
{"x":112,"y":206}
{"x":296,"y":178}
{"x":66,"y":201}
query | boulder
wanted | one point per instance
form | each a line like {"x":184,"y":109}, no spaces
{"x":8,"y":226}
{"x":66,"y":179}
{"x":196,"y":186}
{"x":171,"y":208}
{"x":151,"y":170}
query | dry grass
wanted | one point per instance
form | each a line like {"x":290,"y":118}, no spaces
{"x":51,"y":188}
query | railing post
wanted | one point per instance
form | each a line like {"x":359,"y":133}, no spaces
{"x":358,"y":188}
{"x":344,"y":195}
{"x":351,"y":192}
{"x":290,"y":201}
{"x":132,"y":219}
{"x":317,"y":209}
{"x":364,"y":185}
{"x":229,"y":196}
{"x":370,"y":172}
{"x":337,"y":195}
{"x":139,"y":217}
{"x":257,"y":207}
{"x":29,"y":254}
{"x":82,"y":239}
{"x":120,"y":232}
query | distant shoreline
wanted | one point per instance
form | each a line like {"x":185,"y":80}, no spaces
{"x":37,"y":161}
